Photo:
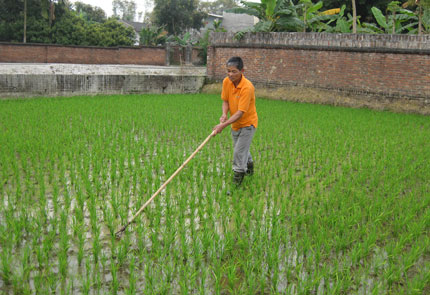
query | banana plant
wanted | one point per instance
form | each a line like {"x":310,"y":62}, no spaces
{"x":312,"y":18}
{"x":153,"y":35}
{"x":309,"y":10}
{"x":423,"y":15}
{"x":399,"y":21}
{"x":338,"y":23}
{"x":273,"y":15}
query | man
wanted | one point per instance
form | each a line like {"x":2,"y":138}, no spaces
{"x":238,"y":95}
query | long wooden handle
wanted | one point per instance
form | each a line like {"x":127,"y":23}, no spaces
{"x":165,"y":183}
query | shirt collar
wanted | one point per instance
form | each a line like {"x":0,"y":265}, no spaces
{"x":240,"y":85}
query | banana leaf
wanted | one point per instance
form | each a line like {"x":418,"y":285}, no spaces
{"x":380,"y":18}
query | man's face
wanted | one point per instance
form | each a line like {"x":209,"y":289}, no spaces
{"x":234,"y":74}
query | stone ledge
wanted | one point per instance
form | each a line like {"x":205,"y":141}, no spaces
{"x":28,"y":80}
{"x":325,"y":40}
{"x":84,"y":69}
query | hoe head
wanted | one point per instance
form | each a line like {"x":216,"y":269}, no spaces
{"x":118,"y":234}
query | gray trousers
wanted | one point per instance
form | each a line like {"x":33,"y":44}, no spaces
{"x":241,"y":142}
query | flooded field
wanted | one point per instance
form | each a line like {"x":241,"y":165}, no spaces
{"x":339,"y":202}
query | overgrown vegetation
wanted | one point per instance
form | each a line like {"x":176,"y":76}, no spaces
{"x":307,"y":16}
{"x":60,"y":22}
{"x":57,"y":23}
{"x":339,"y":202}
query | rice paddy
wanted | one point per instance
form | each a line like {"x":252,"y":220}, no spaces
{"x":339,"y":202}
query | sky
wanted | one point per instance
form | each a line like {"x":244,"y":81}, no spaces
{"x":106,"y":5}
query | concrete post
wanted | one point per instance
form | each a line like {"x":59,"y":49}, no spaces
{"x":188,"y":55}
{"x":168,"y":51}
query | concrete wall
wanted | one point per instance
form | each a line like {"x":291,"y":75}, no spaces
{"x":387,"y":65}
{"x":27,"y":80}
{"x":234,"y":22}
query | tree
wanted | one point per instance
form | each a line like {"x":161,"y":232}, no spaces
{"x":110,"y":33}
{"x":363,"y":7}
{"x":25,"y":22}
{"x":90,"y":13}
{"x":354,"y":17}
{"x":218,"y":6}
{"x":177,"y":16}
{"x":63,"y":27}
{"x":124,"y":9}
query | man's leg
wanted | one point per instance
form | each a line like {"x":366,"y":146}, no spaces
{"x":242,"y":158}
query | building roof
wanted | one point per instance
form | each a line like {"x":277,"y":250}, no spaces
{"x":135,"y":25}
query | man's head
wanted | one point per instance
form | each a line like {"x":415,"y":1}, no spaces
{"x":235,"y":69}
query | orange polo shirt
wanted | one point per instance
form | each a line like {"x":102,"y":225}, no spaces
{"x":240,"y":98}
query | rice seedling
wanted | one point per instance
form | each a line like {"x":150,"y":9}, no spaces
{"x":339,"y":202}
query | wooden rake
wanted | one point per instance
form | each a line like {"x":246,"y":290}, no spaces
{"x":118,"y":233}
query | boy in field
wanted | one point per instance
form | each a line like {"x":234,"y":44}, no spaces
{"x":238,"y":95}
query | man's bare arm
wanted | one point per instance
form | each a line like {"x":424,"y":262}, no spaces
{"x":225,"y":109}
{"x":218,"y":128}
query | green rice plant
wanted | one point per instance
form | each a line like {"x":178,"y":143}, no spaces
{"x":81,"y":244}
{"x":132,"y":278}
{"x":338,"y":202}
{"x":6,"y":270}
{"x":149,"y":279}
{"x":115,"y":280}
{"x":96,"y":248}
{"x":86,"y":279}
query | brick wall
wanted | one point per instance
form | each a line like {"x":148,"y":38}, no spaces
{"x":393,"y":65}
{"x":42,"y":53}
{"x":142,"y":55}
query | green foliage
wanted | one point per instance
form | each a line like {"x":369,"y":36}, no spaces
{"x":422,"y":10}
{"x":203,"y":42}
{"x":311,"y":16}
{"x":124,"y":9}
{"x":363,"y":7}
{"x":66,"y":27}
{"x":152,"y":35}
{"x":426,"y":21}
{"x":181,"y":40}
{"x":55,"y":22}
{"x":217,"y":6}
{"x":90,"y":13}
{"x":401,"y":21}
{"x":274,"y":16}
{"x":178,"y":16}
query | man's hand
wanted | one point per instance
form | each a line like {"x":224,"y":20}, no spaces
{"x":223,"y":118}
{"x":218,"y":128}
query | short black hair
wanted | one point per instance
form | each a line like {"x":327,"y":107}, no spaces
{"x":235,"y":61}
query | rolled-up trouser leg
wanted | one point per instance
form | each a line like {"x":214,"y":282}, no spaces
{"x":241,"y":141}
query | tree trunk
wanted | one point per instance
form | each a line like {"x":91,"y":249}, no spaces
{"x":394,"y":23}
{"x":304,"y":20}
{"x":354,"y":18}
{"x":24,"y":40}
{"x":51,"y":12}
{"x":420,"y":19}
